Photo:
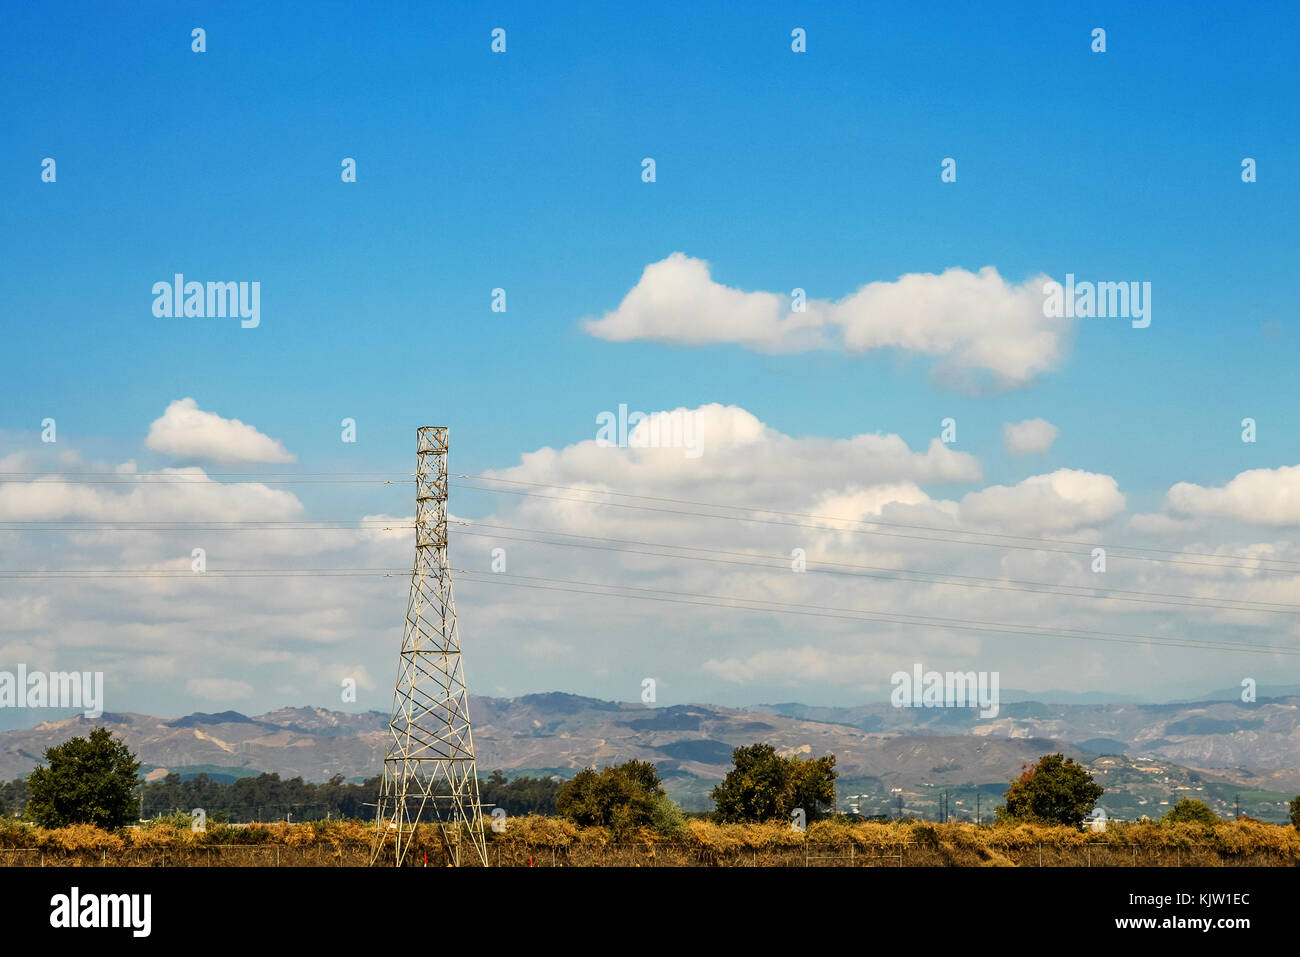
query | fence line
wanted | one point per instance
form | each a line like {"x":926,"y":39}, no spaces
{"x":666,"y":854}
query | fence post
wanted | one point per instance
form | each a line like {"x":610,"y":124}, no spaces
{"x":1040,"y":853}
{"x":1089,"y":858}
{"x":277,"y":855}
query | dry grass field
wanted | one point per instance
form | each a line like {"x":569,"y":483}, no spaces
{"x":553,"y":842}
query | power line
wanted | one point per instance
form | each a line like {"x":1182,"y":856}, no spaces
{"x":164,"y":478}
{"x":763,"y":561}
{"x":256,"y":525}
{"x":923,"y":538}
{"x":869,"y":615}
{"x":155,"y":478}
{"x":222,"y":474}
{"x":1043,"y":588}
{"x":690,"y":598}
{"x":828,"y":518}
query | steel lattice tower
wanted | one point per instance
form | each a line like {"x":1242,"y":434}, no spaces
{"x":429,"y":771}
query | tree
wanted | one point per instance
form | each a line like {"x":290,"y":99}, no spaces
{"x":523,"y":795}
{"x":765,"y":786}
{"x":1055,"y":790}
{"x":622,"y":797}
{"x":1295,"y":812}
{"x":13,"y":796}
{"x":89,"y":780}
{"x":1190,"y":811}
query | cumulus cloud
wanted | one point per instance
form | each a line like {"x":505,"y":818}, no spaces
{"x":977,"y":325}
{"x":1256,"y":497}
{"x":1064,"y":500}
{"x":676,"y":300}
{"x":169,"y":495}
{"x":186,"y":431}
{"x":707,"y":599}
{"x":1030,"y":437}
{"x":742,"y":459}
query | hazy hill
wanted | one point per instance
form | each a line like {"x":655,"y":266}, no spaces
{"x":1156,"y":752}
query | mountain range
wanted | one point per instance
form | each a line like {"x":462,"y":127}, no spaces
{"x":1145,"y":755}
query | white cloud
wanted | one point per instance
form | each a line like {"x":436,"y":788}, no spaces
{"x":676,"y":300}
{"x":977,"y":325}
{"x":742,"y":459}
{"x":218,"y":689}
{"x":873,"y":598}
{"x":1256,"y":497}
{"x":1157,"y":523}
{"x":169,"y":495}
{"x":1062,"y":501}
{"x":1030,"y":437}
{"x":186,"y":431}
{"x":357,"y":673}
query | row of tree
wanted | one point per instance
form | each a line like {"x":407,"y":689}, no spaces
{"x":95,"y":780}
{"x":761,"y":786}
{"x":266,"y":797}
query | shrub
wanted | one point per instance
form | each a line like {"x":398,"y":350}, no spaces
{"x":667,"y":818}
{"x":1190,"y":811}
{"x":621,"y":797}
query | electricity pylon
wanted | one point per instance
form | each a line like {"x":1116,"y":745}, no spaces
{"x":429,"y":770}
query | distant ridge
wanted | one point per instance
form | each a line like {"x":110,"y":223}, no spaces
{"x":1149,"y":752}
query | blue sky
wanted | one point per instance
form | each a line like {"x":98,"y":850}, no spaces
{"x":522,"y":171}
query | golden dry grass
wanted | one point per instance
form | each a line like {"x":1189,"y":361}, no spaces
{"x":549,"y":840}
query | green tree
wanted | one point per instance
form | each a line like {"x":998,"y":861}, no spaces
{"x":763,"y":786}
{"x":667,"y":818}
{"x":1190,"y":811}
{"x":1055,"y":790}
{"x":89,"y":780}
{"x":13,"y":796}
{"x":523,"y":795}
{"x":1295,"y":812}
{"x":622,"y":797}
